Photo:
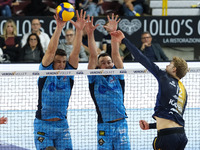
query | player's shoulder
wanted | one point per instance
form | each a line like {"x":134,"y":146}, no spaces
{"x":42,"y":67}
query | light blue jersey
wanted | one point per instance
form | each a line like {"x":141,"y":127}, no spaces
{"x":54,"y":94}
{"x":108,"y":95}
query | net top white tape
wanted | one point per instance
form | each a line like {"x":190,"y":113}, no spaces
{"x":80,"y":72}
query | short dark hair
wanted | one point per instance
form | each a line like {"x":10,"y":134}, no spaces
{"x":39,"y":45}
{"x":145,"y":32}
{"x":61,"y":52}
{"x":103,"y":55}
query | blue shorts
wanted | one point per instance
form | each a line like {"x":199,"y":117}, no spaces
{"x":52,"y":133}
{"x":170,"y":139}
{"x":113,"y":136}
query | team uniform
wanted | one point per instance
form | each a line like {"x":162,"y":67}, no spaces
{"x":108,"y":95}
{"x":170,"y":103}
{"x":54,"y":95}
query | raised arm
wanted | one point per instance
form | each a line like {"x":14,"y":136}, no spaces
{"x":112,"y":26}
{"x":53,"y":44}
{"x":79,"y":25}
{"x":93,"y":60}
{"x":153,"y":68}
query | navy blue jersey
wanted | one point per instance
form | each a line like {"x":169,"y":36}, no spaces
{"x":172,"y":96}
{"x":108,"y":95}
{"x":54,"y":94}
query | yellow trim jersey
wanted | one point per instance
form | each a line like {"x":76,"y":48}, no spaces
{"x":172,"y":96}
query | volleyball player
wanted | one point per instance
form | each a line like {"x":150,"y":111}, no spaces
{"x":107,"y":93}
{"x":50,"y":126}
{"x":171,"y":99}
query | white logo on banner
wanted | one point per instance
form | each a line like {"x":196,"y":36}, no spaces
{"x":100,"y":28}
{"x":130,"y":26}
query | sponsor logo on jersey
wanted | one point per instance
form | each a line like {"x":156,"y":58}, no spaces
{"x":101,"y":141}
{"x":52,"y":86}
{"x":121,"y":131}
{"x":102,"y":133}
{"x":67,"y":134}
{"x":41,"y":139}
{"x":103,"y":89}
{"x":41,"y":133}
{"x":112,"y":80}
{"x":172,"y":83}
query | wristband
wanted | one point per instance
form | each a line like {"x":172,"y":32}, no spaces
{"x":152,"y":126}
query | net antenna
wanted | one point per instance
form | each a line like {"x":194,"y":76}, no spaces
{"x":164,"y":7}
{"x":196,"y":5}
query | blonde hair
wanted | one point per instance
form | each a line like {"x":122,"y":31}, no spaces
{"x":181,"y":66}
{"x":5,"y":28}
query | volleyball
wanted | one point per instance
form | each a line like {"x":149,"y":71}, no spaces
{"x":65,"y":11}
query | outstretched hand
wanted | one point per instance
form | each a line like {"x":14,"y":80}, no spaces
{"x":112,"y":23}
{"x":89,"y":27}
{"x":117,"y":36}
{"x":144,"y":125}
{"x":59,"y":22}
{"x":80,"y":22}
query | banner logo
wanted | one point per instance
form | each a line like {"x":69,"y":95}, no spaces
{"x":100,"y":28}
{"x":130,"y":26}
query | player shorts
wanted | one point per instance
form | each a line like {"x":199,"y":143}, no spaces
{"x":113,"y":136}
{"x":52,"y":133}
{"x":170,"y":139}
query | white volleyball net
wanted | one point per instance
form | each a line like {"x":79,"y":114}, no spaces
{"x":19,"y":100}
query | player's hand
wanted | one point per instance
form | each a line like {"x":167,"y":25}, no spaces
{"x":143,"y":125}
{"x":80,"y":22}
{"x":3,"y":120}
{"x":112,"y":23}
{"x":117,"y":36}
{"x":59,"y":22}
{"x":89,"y":27}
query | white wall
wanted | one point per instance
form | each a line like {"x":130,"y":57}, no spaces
{"x":186,"y":53}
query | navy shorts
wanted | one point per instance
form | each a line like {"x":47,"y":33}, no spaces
{"x":170,"y":139}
